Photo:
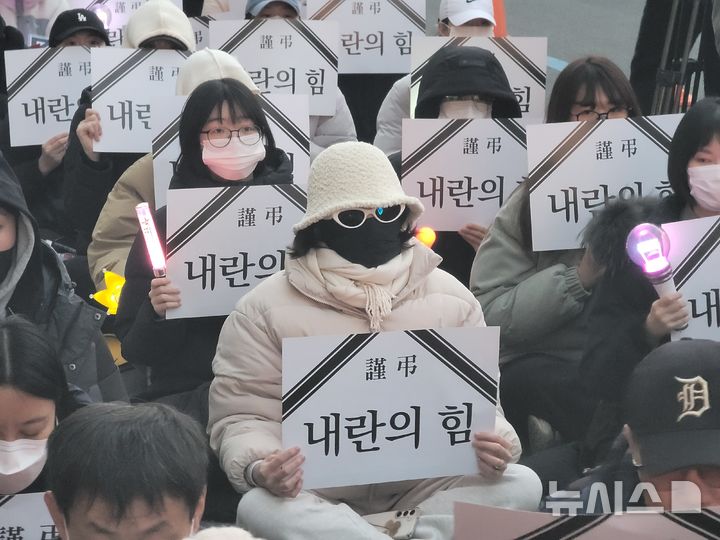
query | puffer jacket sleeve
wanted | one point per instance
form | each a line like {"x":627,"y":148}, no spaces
{"x":394,"y":108}
{"x":526,"y":303}
{"x":117,"y":224}
{"x":245,"y":396}
{"x":328,"y":130}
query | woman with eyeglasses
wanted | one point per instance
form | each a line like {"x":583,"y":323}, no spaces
{"x":355,"y":268}
{"x":539,"y":299}
{"x":225,"y":140}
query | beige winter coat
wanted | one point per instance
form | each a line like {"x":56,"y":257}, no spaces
{"x":245,"y":396}
{"x":117,"y":226}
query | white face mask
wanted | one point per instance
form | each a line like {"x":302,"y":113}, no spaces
{"x":236,"y":161}
{"x":21,"y":462}
{"x":465,"y":109}
{"x":705,"y":186}
{"x":471,"y":31}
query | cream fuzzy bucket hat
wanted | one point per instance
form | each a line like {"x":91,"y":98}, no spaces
{"x":208,"y":65}
{"x":353,"y":175}
{"x":159,"y":18}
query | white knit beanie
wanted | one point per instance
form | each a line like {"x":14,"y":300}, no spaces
{"x":353,"y":175}
{"x":209,"y":65}
{"x":157,"y":19}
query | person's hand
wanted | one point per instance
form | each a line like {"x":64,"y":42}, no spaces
{"x":89,"y":131}
{"x":589,"y":271}
{"x":492,"y":453}
{"x":281,"y":473}
{"x":473,"y":234}
{"x":163,"y":295}
{"x":667,"y":313}
{"x":53,"y":152}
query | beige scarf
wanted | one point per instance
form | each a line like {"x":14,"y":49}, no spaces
{"x":371,"y":289}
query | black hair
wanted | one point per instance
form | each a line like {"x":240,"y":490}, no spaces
{"x":121,"y":453}
{"x":311,"y":238}
{"x":201,"y":103}
{"x":149,"y":43}
{"x":696,"y":129}
{"x":29,"y":363}
{"x":588,"y":74}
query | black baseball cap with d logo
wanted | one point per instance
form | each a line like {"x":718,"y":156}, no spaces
{"x":672,"y":405}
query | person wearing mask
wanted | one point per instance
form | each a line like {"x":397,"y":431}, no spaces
{"x":39,"y":168}
{"x":324,"y":130}
{"x":225,"y":140}
{"x":35,"y":284}
{"x":539,"y":299}
{"x":627,"y":316}
{"x":354,"y":268}
{"x":34,"y":398}
{"x":33,"y":18}
{"x":123,"y":471}
{"x":117,"y":224}
{"x":456,"y":18}
{"x":464,"y":82}
{"x":90,"y":175}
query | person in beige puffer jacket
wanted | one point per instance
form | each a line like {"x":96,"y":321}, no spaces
{"x":343,"y":281}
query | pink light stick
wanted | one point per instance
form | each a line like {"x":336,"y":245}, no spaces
{"x":152,"y":241}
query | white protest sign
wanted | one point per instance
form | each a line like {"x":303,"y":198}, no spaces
{"x":124,"y":83}
{"x":285,"y":56}
{"x":114,"y":14}
{"x":636,"y":523}
{"x":376,"y":36}
{"x":524,"y":60}
{"x":370,"y":408}
{"x":695,"y":258}
{"x":462,"y":170}
{"x":201,"y":25}
{"x":577,"y":167}
{"x":287,"y":115}
{"x":44,"y":86}
{"x":25,"y":517}
{"x":221,"y":242}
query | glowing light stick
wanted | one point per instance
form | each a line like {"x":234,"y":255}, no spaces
{"x":648,"y":247}
{"x":154,"y":247}
{"x":427,"y":236}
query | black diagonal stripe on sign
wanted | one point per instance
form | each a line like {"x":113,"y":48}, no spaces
{"x":521,"y":59}
{"x":5,"y":499}
{"x":566,"y":527}
{"x":698,"y":255}
{"x":30,"y":72}
{"x":417,"y":73}
{"x":166,"y":137}
{"x":432,"y":145}
{"x":653,"y":132}
{"x":514,"y":129}
{"x":119,"y":71}
{"x":457,"y":362}
{"x":286,"y":124}
{"x":705,"y":525}
{"x":314,"y":40}
{"x":560,"y":153}
{"x":96,"y":3}
{"x":325,"y":11}
{"x":409,"y":13}
{"x":241,"y":35}
{"x":205,"y":20}
{"x":203,"y":218}
{"x":323,"y":372}
{"x":294,"y":194}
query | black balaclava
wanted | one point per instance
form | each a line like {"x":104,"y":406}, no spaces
{"x":6,"y":262}
{"x":372,"y":244}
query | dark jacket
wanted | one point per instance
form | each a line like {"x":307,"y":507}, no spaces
{"x":44,"y":294}
{"x":617,"y":310}
{"x":465,"y":71}
{"x":179,"y":351}
{"x":87,"y":183}
{"x":43,"y":194}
